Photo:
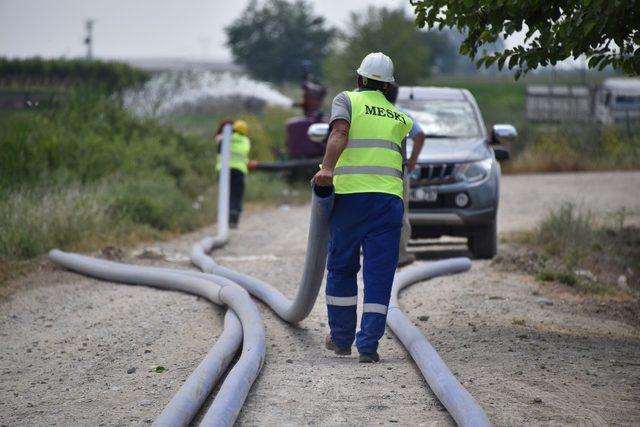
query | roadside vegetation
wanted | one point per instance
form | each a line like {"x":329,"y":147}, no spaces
{"x":86,"y":173}
{"x":88,"y":169}
{"x":569,"y":246}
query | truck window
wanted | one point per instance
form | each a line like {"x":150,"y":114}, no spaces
{"x":627,"y":101}
{"x":445,"y":118}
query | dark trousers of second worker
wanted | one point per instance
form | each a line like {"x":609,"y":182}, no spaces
{"x":236,"y":195}
{"x":371,"y":222}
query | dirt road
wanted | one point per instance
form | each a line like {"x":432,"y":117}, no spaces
{"x":76,"y":351}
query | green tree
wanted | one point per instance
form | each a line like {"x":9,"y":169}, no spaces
{"x":272,"y":40}
{"x":379,"y":29}
{"x":607,"y":32}
{"x":444,"y":56}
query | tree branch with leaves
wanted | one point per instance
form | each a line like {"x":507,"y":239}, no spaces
{"x":606,"y":32}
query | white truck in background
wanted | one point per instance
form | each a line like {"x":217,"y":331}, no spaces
{"x":617,"y":100}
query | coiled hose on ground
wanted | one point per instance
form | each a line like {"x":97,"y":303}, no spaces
{"x":461,"y":405}
{"x":217,"y":284}
{"x":232,"y":394}
{"x":246,"y":327}
{"x":313,"y":271}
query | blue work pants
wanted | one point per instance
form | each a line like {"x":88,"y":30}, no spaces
{"x":371,"y":221}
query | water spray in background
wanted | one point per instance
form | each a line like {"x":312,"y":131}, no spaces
{"x":171,"y":91}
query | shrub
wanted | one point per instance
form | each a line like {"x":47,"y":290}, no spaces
{"x":92,"y":138}
{"x":569,"y":233}
{"x":581,"y":252}
{"x":573,"y":148}
{"x":155,"y":201}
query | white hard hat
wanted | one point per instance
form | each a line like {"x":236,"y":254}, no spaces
{"x":377,"y":66}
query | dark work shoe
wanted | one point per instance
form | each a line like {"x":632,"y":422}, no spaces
{"x":369,"y":357}
{"x":233,"y":225}
{"x":330,"y":345}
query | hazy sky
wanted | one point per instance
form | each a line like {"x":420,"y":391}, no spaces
{"x":136,"y":28}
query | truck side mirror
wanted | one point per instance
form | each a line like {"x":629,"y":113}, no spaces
{"x":503,"y":134}
{"x":318,"y":132}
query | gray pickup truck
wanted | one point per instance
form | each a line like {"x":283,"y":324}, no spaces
{"x":455,"y":185}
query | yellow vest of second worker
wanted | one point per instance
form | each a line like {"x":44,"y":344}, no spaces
{"x":240,"y":146}
{"x":372,"y":160}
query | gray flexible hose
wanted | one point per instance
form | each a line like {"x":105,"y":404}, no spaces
{"x":195,"y":390}
{"x":224,"y":181}
{"x":232,"y":394}
{"x":186,"y":402}
{"x":462,"y":407}
{"x":314,"y":265}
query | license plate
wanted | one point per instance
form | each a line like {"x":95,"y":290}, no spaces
{"x":424,"y":194}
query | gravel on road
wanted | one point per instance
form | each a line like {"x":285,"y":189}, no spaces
{"x":77,"y":351}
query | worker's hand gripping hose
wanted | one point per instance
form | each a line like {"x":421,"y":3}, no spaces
{"x":314,"y":265}
{"x":232,"y":394}
{"x":462,"y":407}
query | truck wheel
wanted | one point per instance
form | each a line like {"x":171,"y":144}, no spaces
{"x":484,"y":244}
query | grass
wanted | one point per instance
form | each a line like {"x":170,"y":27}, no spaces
{"x":37,"y":219}
{"x":92,"y":138}
{"x":577,"y":148}
{"x":88,"y":174}
{"x":89,"y":169}
{"x":582,"y":253}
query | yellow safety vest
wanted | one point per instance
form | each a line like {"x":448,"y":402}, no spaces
{"x":240,"y":146}
{"x":372,"y":160}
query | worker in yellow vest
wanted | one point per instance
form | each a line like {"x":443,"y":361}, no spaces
{"x":364,"y":163}
{"x":239,"y":165}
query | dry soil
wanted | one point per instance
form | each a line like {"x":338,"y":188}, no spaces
{"x":77,"y":351}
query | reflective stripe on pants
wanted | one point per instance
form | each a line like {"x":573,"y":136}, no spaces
{"x":375,"y":308}
{"x":342,"y":301}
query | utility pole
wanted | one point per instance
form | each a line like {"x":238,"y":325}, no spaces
{"x":89,"y":39}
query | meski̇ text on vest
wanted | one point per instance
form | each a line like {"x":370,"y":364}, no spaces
{"x":384,"y":112}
